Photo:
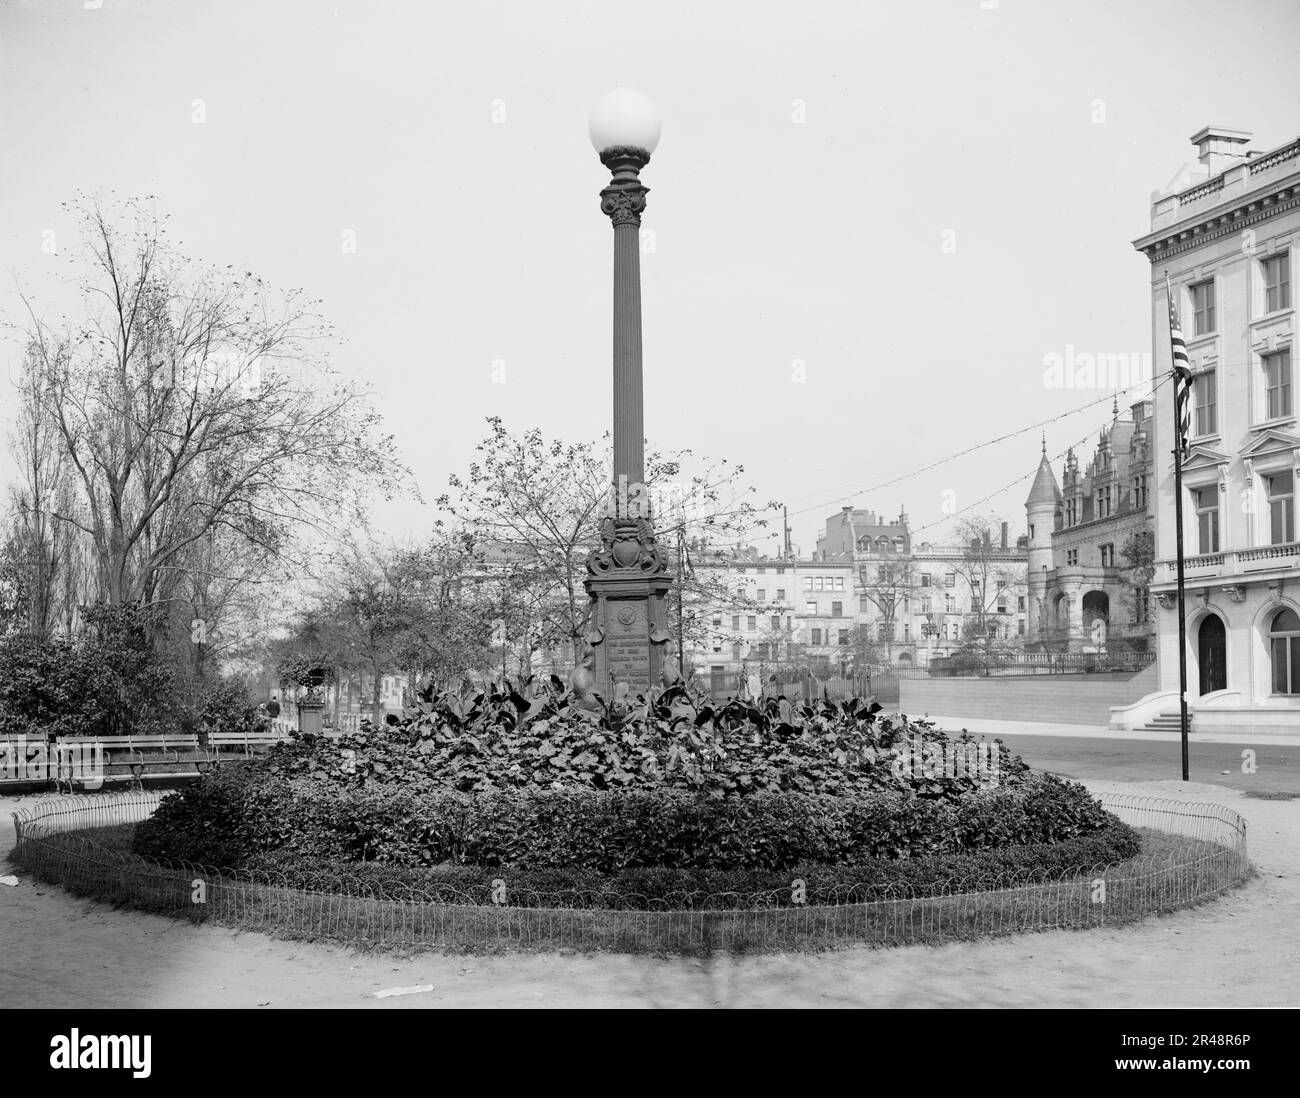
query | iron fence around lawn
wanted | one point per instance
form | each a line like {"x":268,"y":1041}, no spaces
{"x":1191,"y":853}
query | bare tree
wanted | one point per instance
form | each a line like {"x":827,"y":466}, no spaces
{"x":40,"y":542}
{"x":188,"y":401}
{"x":887,"y":585}
{"x":214,"y":598}
{"x":992,"y":574}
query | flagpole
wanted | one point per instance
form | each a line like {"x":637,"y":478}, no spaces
{"x":1178,"y":530}
{"x":1182,"y":609}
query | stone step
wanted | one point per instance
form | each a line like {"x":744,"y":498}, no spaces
{"x":1167,"y":722}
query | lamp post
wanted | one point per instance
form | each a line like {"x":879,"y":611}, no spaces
{"x":627,"y":578}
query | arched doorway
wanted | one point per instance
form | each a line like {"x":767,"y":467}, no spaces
{"x":1096,"y":618}
{"x":1212,"y":654}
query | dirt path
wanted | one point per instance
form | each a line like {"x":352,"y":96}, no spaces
{"x":1243,"y":950}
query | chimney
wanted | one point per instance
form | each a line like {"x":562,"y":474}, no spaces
{"x":1219,"y":148}
{"x":1004,"y":535}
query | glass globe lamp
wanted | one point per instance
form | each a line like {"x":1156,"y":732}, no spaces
{"x":624,"y":119}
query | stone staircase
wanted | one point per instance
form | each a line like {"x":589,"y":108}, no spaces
{"x":1169,"y":722}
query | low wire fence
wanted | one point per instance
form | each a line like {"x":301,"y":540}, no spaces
{"x":1192,"y":853}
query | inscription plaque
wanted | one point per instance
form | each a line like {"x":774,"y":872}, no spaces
{"x":627,"y":641}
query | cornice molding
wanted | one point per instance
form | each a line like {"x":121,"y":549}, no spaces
{"x":1223,"y":221}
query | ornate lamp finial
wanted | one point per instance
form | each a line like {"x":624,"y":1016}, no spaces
{"x":624,"y":199}
{"x":624,"y":130}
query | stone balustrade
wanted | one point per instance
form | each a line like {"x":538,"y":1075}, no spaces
{"x":1235,"y":562}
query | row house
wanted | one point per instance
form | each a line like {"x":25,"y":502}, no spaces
{"x":867,"y":580}
{"x":923,"y":601}
{"x":782,"y":614}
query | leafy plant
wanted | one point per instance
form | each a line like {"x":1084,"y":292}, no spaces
{"x":540,"y":735}
{"x":112,"y":680}
{"x":304,"y":670}
{"x":220,"y":706}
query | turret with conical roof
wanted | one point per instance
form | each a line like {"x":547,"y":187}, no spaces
{"x":1044,"y":492}
{"x":1042,"y":508}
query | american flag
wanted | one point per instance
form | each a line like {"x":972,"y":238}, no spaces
{"x":1182,"y":375}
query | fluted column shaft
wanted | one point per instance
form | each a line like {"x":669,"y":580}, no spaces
{"x":629,"y":393}
{"x":622,"y":201}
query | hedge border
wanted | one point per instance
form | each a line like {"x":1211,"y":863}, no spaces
{"x":225,"y":821}
{"x":1209,"y":858}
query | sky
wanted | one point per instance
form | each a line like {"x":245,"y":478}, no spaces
{"x":868,"y":224}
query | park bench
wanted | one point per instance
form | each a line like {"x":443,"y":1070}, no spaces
{"x":163,"y":750}
{"x":246,"y":741}
{"x":23,"y":759}
{"x":84,"y":760}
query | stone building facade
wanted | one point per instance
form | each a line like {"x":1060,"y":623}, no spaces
{"x":1225,"y":232}
{"x":922,"y":599}
{"x":1085,"y":595}
{"x":919,"y":602}
{"x":781,"y":613}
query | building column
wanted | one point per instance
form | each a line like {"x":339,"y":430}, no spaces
{"x":1037,"y":592}
{"x":1077,"y":635}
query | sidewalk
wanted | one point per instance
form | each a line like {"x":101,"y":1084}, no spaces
{"x":985,"y":726}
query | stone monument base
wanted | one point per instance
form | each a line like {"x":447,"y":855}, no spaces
{"x":311,"y":718}
{"x":629,"y":633}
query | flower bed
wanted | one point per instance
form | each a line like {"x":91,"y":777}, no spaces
{"x":1191,"y":853}
{"x":231,"y":819}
